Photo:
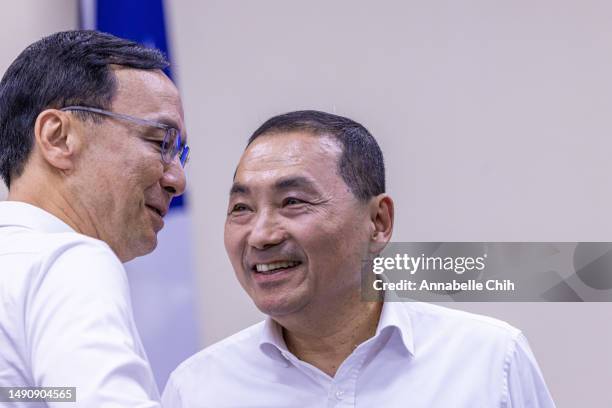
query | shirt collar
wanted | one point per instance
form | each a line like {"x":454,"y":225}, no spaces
{"x":271,"y":342}
{"x":20,"y":214}
{"x":394,"y":318}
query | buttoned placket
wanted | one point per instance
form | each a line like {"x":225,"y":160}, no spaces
{"x":341,"y":389}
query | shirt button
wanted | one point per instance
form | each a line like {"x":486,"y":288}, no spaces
{"x":339,"y":394}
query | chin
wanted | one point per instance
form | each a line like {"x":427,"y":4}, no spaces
{"x":146,"y":246}
{"x":277,"y":307}
{"x":152,"y":244}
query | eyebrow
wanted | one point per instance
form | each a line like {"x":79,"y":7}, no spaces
{"x":167,"y":120}
{"x":294,"y":182}
{"x":280,"y":185}
{"x":238,"y":188}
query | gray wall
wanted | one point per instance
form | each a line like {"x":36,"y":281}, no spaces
{"x":494,"y":118}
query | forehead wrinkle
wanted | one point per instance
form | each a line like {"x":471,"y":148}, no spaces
{"x":256,"y":160}
{"x":262,"y":158}
{"x":289,"y":148}
{"x":299,"y":182}
{"x":272,"y":161}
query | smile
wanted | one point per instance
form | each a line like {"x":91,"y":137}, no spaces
{"x":275,"y":266}
{"x":155,"y":210}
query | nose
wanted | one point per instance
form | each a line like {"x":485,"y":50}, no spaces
{"x":173,"y":180}
{"x":266,"y":231}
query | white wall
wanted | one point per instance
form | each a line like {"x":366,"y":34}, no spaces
{"x":26,"y":21}
{"x":494,"y":118}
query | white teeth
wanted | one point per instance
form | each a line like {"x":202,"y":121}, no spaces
{"x":275,"y":265}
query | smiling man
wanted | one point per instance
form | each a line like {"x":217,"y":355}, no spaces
{"x":91,"y":147}
{"x":306,"y":208}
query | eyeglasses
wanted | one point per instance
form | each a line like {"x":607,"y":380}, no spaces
{"x":171,"y":146}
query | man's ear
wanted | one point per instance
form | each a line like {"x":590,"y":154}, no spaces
{"x":381,"y":216}
{"x":55,"y":139}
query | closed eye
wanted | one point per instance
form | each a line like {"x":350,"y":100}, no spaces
{"x":156,"y":142}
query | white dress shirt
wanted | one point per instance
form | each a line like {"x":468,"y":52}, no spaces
{"x":65,"y":315}
{"x":422,"y":356}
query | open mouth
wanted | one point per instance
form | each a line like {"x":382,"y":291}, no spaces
{"x":274,"y":267}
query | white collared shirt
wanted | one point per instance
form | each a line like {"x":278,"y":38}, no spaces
{"x":65,"y":315}
{"x":422,"y":356}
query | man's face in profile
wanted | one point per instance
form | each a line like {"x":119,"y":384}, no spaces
{"x":295,"y":233}
{"x":122,"y":160}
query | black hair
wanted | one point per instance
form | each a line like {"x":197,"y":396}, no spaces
{"x":65,"y":68}
{"x":361,"y":164}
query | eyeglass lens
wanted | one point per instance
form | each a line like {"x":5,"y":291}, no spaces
{"x":172,"y":145}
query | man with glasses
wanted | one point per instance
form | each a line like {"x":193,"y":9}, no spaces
{"x":92,"y":149}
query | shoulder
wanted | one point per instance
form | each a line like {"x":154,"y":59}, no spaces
{"x":243,"y":342}
{"x":81,"y":261}
{"x":78,"y":248}
{"x":427,"y":313}
{"x":437,"y":323}
{"x":50,"y":262}
{"x":458,"y":341}
{"x":64,"y":265}
{"x":50,"y":246}
{"x":74,"y":244}
{"x":216,"y":358}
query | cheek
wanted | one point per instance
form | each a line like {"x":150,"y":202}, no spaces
{"x":337,"y":248}
{"x":233,"y":243}
{"x":228,"y":242}
{"x":325,"y":246}
{"x":145,"y":170}
{"x":137,"y":182}
{"x":137,"y":162}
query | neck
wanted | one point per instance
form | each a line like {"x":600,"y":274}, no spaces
{"x":54,"y":202}
{"x":325,"y":341}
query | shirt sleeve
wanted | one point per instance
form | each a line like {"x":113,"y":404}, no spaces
{"x":525,"y":384}
{"x":171,"y":397}
{"x":81,"y":333}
